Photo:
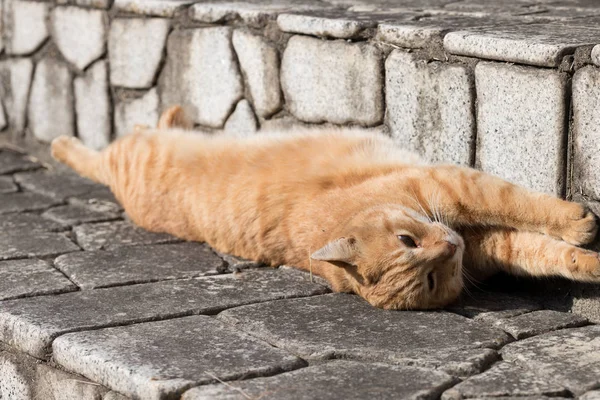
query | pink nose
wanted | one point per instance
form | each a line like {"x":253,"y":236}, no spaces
{"x":451,"y":248}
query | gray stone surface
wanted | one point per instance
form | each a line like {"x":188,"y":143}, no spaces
{"x":360,"y":331}
{"x":74,"y":214}
{"x":491,"y":306}
{"x":335,"y":380}
{"x":596,"y":55}
{"x":15,"y":379}
{"x":50,"y":111}
{"x":135,"y":49}
{"x":27,"y":243}
{"x":137,"y":360}
{"x":11,"y":162}
{"x":24,"y":278}
{"x":57,"y":185}
{"x":79,"y":34}
{"x":333,"y":81}
{"x":93,"y":106}
{"x":25,"y":26}
{"x":114,"y":396}
{"x":522,"y":109}
{"x":29,"y":221}
{"x":112,"y":235}
{"x":430,"y":108}
{"x":30,"y":325}
{"x":102,"y":195}
{"x":586,"y":132}
{"x":242,"y":121}
{"x":159,"y":8}
{"x":7,"y":185}
{"x":201,"y":73}
{"x":142,"y":110}
{"x":259,"y":62}
{"x":537,"y":322}
{"x":535,"y":44}
{"x":88,"y":3}
{"x":139,"y":264}
{"x":569,"y":356}
{"x":503,"y":380}
{"x":16,"y":75}
{"x":237,"y":264}
{"x":593,"y":395}
{"x":19,"y":202}
{"x":326,"y":24}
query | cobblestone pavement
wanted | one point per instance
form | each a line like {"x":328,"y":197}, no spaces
{"x":95,"y":308}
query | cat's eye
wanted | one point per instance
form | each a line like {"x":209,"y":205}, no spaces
{"x":431,"y":281}
{"x":407,"y":240}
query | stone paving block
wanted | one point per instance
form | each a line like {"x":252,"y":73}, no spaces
{"x":7,"y":185}
{"x":430,"y":108}
{"x":335,"y":380}
{"x":88,"y":3}
{"x":11,"y":162}
{"x":29,"y":221}
{"x":259,"y":62}
{"x":492,"y":306}
{"x":363,"y":332}
{"x":102,"y":195}
{"x":543,"y":44}
{"x":58,"y":185}
{"x":242,"y":121}
{"x":593,"y":395}
{"x":30,"y":325}
{"x":142,"y":111}
{"x":159,"y":360}
{"x":237,"y":264}
{"x":586,"y":120}
{"x":596,"y":55}
{"x":201,"y":73}
{"x":522,"y":109}
{"x":79,"y":34}
{"x":333,"y":81}
{"x":93,"y":106}
{"x":330,"y":24}
{"x":114,"y":396}
{"x":139,"y":264}
{"x":26,"y":243}
{"x":19,"y":202}
{"x":550,"y":353}
{"x":158,"y":8}
{"x":135,"y":50}
{"x":25,"y":26}
{"x":16,"y":378}
{"x":24,"y":278}
{"x":112,"y":235}
{"x":50,"y":111}
{"x":538,"y":322}
{"x":16,"y":75}
{"x":503,"y":380}
{"x":74,"y":214}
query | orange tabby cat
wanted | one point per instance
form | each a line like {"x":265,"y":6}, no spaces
{"x":349,"y":206}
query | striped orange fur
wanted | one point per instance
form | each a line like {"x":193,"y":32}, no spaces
{"x":350,"y":206}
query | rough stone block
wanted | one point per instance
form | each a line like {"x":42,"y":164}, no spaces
{"x":15,"y":382}
{"x":7,"y":185}
{"x":160,"y":360}
{"x":522,"y":109}
{"x":112,"y":235}
{"x":3,"y":118}
{"x":29,"y":221}
{"x":491,"y":306}
{"x":260,"y":63}
{"x":538,"y":322}
{"x":504,"y":380}
{"x":56,"y":185}
{"x":548,"y":354}
{"x":135,"y":50}
{"x":31,"y":324}
{"x":302,"y":327}
{"x":11,"y":162}
{"x":19,"y":202}
{"x":88,"y":3}
{"x":24,"y":243}
{"x":336,"y":380}
{"x":333,"y":81}
{"x":16,"y":75}
{"x":50,"y":111}
{"x":139,"y":264}
{"x":201,"y":73}
{"x":75,"y":214}
{"x":533,"y":44}
{"x":24,"y":278}
{"x":593,"y":395}
{"x":102,"y":195}
{"x":242,"y":121}
{"x":158,"y":8}
{"x":596,"y":55}
{"x":142,"y":110}
{"x":237,"y":264}
{"x":25,"y":26}
{"x":586,"y":132}
{"x":93,"y":106}
{"x":430,"y":108}
{"x":79,"y":34}
{"x":331,"y":24}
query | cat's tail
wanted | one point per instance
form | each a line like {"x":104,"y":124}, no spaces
{"x":85,"y":161}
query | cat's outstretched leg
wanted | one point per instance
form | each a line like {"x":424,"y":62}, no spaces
{"x":527,"y":253}
{"x":466,"y":196}
{"x":85,"y":161}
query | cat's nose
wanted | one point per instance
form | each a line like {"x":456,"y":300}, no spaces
{"x":451,"y":248}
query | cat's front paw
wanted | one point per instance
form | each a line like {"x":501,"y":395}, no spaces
{"x":580,"y":225}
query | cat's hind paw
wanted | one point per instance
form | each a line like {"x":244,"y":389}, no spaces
{"x":584,"y":265}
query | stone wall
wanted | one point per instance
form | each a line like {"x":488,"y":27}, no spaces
{"x":510,"y":89}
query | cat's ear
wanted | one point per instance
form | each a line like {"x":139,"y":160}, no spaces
{"x":340,"y":250}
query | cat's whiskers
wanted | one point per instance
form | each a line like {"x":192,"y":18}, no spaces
{"x":414,"y":198}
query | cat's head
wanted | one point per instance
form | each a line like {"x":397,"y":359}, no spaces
{"x":396,"y":258}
